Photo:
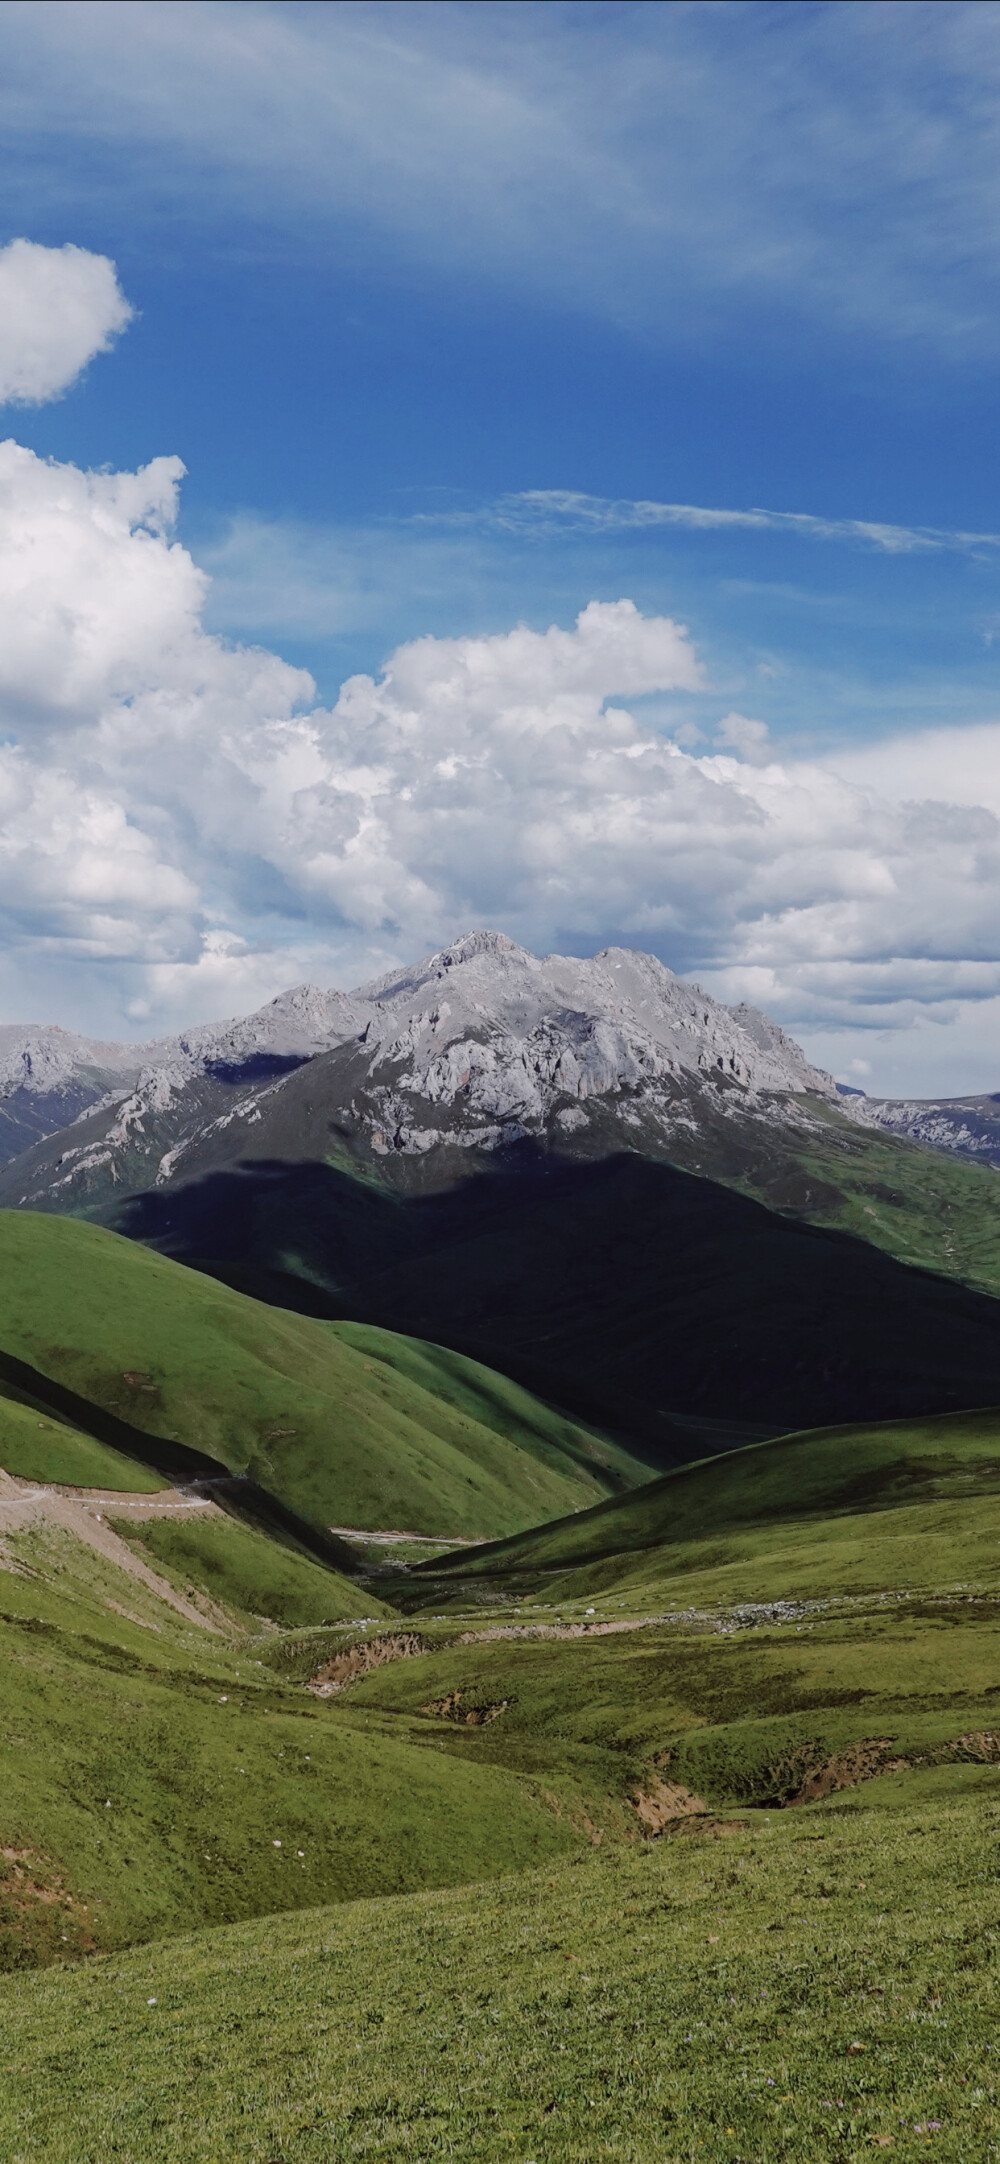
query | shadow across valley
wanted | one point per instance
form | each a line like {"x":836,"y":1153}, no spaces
{"x":665,"y":1308}
{"x":177,"y":1462}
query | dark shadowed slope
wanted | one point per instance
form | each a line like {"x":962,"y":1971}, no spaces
{"x":337,"y":1431}
{"x":636,"y":1295}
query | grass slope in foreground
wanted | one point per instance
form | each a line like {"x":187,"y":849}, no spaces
{"x":158,"y":1777}
{"x":797,"y":1990}
{"x":814,"y":1982}
{"x":342,"y":1427}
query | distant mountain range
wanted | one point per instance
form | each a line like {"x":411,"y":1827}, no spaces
{"x":645,"y":1206}
{"x":475,"y":1050}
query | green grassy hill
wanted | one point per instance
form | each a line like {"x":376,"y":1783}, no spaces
{"x":775,"y":1977}
{"x":817,"y":1484}
{"x":341,"y":1427}
{"x":34,"y":1446}
{"x":777,"y":1994}
{"x":256,"y":1577}
{"x":157,"y":1777}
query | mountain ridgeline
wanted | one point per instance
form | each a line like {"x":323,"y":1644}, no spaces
{"x":642,"y":1206}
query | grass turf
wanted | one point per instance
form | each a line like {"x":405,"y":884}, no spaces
{"x":816,"y":1981}
{"x":338,"y":1436}
{"x":157,"y":1776}
{"x":821,"y":1484}
{"x":35,"y":1447}
{"x":253,"y":1575}
{"x":807,"y":1987}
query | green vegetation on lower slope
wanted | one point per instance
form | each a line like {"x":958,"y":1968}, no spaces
{"x":253,"y":1575}
{"x":922,"y":1205}
{"x":773,"y":1611}
{"x":739,"y":1709}
{"x":33,"y":1446}
{"x":792,"y":1991}
{"x":787,"y":1659}
{"x":820,"y":1474}
{"x":157,"y":1777}
{"x":337,"y":1436}
{"x":493,"y":1401}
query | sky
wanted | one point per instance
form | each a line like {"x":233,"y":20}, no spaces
{"x":529,"y":464}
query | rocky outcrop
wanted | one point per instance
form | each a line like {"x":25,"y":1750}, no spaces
{"x":477,"y":1047}
{"x":964,"y":1126}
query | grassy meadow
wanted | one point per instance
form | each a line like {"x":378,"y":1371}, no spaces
{"x":337,"y":1425}
{"x":667,"y":1831}
{"x":34,"y":1446}
{"x":817,"y":1984}
{"x":256,"y":1578}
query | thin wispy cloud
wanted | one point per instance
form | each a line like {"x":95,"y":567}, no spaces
{"x":556,"y":510}
{"x":625,"y":172}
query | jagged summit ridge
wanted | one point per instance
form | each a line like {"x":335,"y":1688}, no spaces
{"x":476,"y":1047}
{"x":485,"y":1007}
{"x":617,"y":1017}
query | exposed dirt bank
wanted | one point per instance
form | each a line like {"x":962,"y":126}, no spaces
{"x":84,"y":1513}
{"x":456,"y":1707}
{"x":346,"y":1668}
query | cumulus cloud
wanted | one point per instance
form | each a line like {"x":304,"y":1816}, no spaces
{"x":750,"y":738}
{"x":113,"y":701}
{"x":58,"y":307}
{"x":178,"y":816}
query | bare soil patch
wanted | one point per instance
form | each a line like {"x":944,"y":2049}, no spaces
{"x":41,"y":1920}
{"x":859,"y":1762}
{"x":359,"y":1660}
{"x":456,"y":1707}
{"x":667,"y":1807}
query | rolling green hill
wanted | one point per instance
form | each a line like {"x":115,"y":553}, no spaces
{"x":157,"y":1777}
{"x":256,"y":1577}
{"x":817,"y":1485}
{"x":787,"y":1658}
{"x":341,"y":1427}
{"x":771,"y":1995}
{"x":775,"y":1977}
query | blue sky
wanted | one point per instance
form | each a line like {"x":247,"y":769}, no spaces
{"x":458,"y":318}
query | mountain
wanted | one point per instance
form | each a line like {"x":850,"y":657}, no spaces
{"x":483,"y":1058}
{"x":967,"y":1127}
{"x":558,"y":1168}
{"x":661,"y":1307}
{"x":48,"y":1076}
{"x":472,"y":1052}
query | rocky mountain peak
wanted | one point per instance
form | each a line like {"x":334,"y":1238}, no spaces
{"x":477,"y":1046}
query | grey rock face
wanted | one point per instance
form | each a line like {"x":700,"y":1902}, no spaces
{"x":964,"y":1126}
{"x":477,"y":1046}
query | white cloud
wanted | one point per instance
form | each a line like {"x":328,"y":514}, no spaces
{"x":736,"y":732}
{"x":562,"y":510}
{"x":58,"y":307}
{"x":179,"y":818}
